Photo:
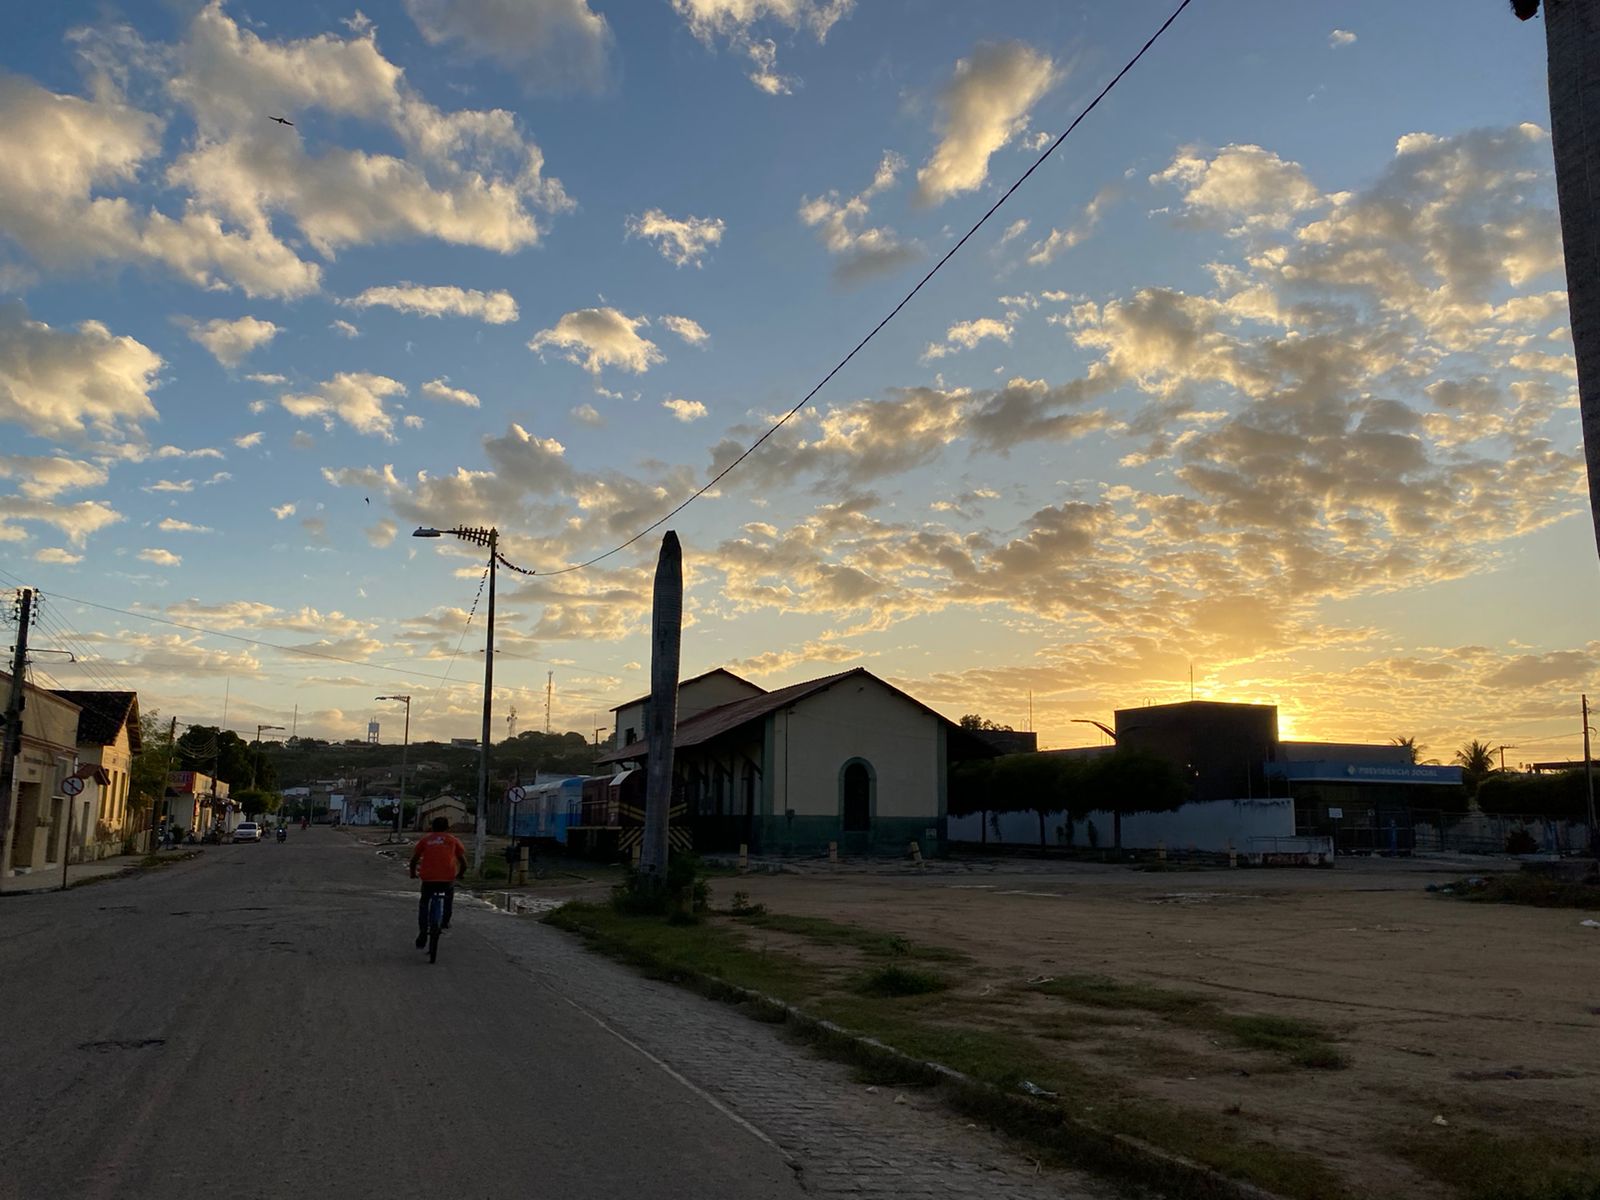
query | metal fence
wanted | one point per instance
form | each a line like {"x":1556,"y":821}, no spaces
{"x":1488,"y":833}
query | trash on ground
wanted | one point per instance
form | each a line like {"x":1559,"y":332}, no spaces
{"x":1033,"y":1089}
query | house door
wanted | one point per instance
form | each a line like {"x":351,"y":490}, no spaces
{"x":855,"y":815}
{"x":24,"y":837}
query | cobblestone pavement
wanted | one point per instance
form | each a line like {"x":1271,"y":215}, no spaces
{"x":841,"y":1137}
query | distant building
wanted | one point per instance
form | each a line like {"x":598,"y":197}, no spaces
{"x":1007,"y":741}
{"x":108,"y":738}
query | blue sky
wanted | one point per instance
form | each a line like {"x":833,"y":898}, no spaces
{"x":1265,"y":371}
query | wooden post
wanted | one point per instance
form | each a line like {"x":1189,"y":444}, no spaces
{"x":916,"y":854}
{"x":833,"y":853}
{"x":744,"y":856}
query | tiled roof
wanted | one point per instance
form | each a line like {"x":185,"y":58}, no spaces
{"x":103,"y":715}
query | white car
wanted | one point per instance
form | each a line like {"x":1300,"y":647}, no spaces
{"x":247,"y":831}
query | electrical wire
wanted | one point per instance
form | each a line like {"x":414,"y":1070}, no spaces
{"x":894,"y":312}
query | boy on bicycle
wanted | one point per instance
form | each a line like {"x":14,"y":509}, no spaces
{"x":440,"y":859}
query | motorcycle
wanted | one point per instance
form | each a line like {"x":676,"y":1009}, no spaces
{"x":283,"y":834}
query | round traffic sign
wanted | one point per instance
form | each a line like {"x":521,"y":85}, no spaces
{"x":72,"y":786}
{"x":516,"y":795}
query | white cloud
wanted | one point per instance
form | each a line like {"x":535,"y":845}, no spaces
{"x":1240,"y":183}
{"x":1061,"y":240}
{"x":681,"y":240}
{"x":230,"y":341}
{"x":284,"y":511}
{"x":964,"y":335}
{"x":55,"y":554}
{"x":77,"y":520}
{"x":269,"y":379}
{"x":736,"y":20}
{"x":688,"y":329}
{"x":985,"y":105}
{"x":1341,"y":37}
{"x":343,"y":328}
{"x":440,"y":389}
{"x":412,"y":421}
{"x":588,"y":414}
{"x":684,"y":410}
{"x":161,"y":558}
{"x":382,"y":534}
{"x":596,"y":338}
{"x":493,"y":308}
{"x":550,"y":44}
{"x":861,"y":249}
{"x":248,"y":441}
{"x":66,"y":384}
{"x":173,"y":525}
{"x":171,"y":485}
{"x":46,"y":478}
{"x":354,"y":397}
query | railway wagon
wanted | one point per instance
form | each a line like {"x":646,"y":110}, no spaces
{"x":549,"y":810}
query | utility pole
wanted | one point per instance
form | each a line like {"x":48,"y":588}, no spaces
{"x":480,"y":828}
{"x":405,"y":747}
{"x":549,"y":690}
{"x":1588,"y":779}
{"x":661,"y":721}
{"x":11,"y":744}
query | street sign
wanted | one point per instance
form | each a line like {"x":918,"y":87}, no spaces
{"x":72,"y":786}
{"x":1335,"y":814}
{"x":516,"y":795}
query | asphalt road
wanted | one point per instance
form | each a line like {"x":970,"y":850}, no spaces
{"x":257,"y":1023}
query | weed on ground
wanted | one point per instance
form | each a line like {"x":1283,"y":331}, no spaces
{"x":1486,"y":1166}
{"x":1541,"y":891}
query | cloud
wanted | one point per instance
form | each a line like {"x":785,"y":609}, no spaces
{"x":588,"y":414}
{"x":440,"y":389}
{"x":161,"y":558}
{"x":493,"y":308}
{"x":1341,"y":37}
{"x":266,"y":378}
{"x":688,"y":329}
{"x":1240,"y":183}
{"x":550,"y":44}
{"x":76,"y":521}
{"x":985,"y":105}
{"x":67,"y":384}
{"x":171,"y":485}
{"x":173,"y":525}
{"x":354,"y":397}
{"x":382,"y":534}
{"x":685,"y":410}
{"x":45,"y":478}
{"x":343,"y":328}
{"x":735,"y":21}
{"x":1061,"y":240}
{"x":283,"y":511}
{"x":230,"y":341}
{"x":861,"y":249}
{"x":54,"y":554}
{"x":682,"y":241}
{"x":248,"y":441}
{"x":596,"y":338}
{"x":964,"y":335}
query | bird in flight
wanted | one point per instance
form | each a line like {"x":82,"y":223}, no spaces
{"x":282,"y":121}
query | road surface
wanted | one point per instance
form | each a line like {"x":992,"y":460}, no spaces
{"x":257,"y":1023}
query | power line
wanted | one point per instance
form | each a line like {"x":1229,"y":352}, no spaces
{"x":894,"y":312}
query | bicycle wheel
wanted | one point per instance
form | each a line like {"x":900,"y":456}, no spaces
{"x":433,"y":943}
{"x":435,"y":919}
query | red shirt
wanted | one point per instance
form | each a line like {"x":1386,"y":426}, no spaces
{"x":436,"y":857}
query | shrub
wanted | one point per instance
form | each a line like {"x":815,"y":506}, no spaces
{"x":1520,"y":841}
{"x":682,"y":897}
{"x":742,"y":907}
{"x":895,"y":980}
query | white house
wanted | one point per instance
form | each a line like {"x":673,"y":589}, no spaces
{"x":108,"y":737}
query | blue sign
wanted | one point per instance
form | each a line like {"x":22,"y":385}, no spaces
{"x":1350,"y":772}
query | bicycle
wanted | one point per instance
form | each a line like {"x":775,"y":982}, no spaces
{"x":435,"y":921}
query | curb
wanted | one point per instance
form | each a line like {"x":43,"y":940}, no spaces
{"x":1082,"y":1143}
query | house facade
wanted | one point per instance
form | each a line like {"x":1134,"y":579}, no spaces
{"x":847,"y":759}
{"x":36,"y":834}
{"x":696,"y":695}
{"x":108,"y":737}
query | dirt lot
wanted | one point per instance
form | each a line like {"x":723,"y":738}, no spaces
{"x":1486,"y":1016}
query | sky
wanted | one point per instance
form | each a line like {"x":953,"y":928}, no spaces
{"x":1263,"y":377}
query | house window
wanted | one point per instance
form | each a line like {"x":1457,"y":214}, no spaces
{"x":856,"y":785}
{"x":630,"y":737}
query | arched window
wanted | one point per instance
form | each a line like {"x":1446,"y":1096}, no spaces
{"x":856,"y":785}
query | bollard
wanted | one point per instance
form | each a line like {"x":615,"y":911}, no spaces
{"x":1161,"y":851}
{"x":833,"y":852}
{"x":636,"y":858}
{"x":744,"y":856}
{"x":916,"y":854}
{"x":1233,"y":856}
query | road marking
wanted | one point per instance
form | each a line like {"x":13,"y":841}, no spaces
{"x":696,"y":1089}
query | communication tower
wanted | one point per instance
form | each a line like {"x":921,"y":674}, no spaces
{"x":372,"y":732}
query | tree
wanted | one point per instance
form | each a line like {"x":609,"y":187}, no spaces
{"x":1476,"y":760}
{"x":208,"y":749}
{"x":256,"y":801}
{"x":1038,"y":783}
{"x":1133,"y":781}
{"x":1410,"y":746}
{"x":975,"y":723}
{"x":147,"y":777}
{"x":1572,"y":44}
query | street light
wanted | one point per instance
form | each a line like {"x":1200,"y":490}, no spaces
{"x":399,"y":809}
{"x":489,"y":538}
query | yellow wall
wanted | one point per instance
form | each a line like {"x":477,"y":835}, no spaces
{"x":856,"y":718}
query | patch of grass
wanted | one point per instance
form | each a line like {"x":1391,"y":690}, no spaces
{"x":895,"y":980}
{"x":840,"y":933}
{"x":1302,"y":1043}
{"x":1486,"y":1166}
{"x":1541,"y":891}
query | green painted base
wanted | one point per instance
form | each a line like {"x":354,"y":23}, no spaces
{"x":890,"y":837}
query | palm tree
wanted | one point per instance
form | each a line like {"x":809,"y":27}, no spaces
{"x":1409,"y":745}
{"x":1476,"y":760}
{"x":1572,"y":43}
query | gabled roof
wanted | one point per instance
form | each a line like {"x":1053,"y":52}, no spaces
{"x":686,"y":682}
{"x":102,"y":716}
{"x":714,"y":722}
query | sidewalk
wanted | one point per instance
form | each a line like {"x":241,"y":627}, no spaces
{"x":48,"y":878}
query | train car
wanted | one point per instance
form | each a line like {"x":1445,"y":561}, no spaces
{"x":549,"y":810}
